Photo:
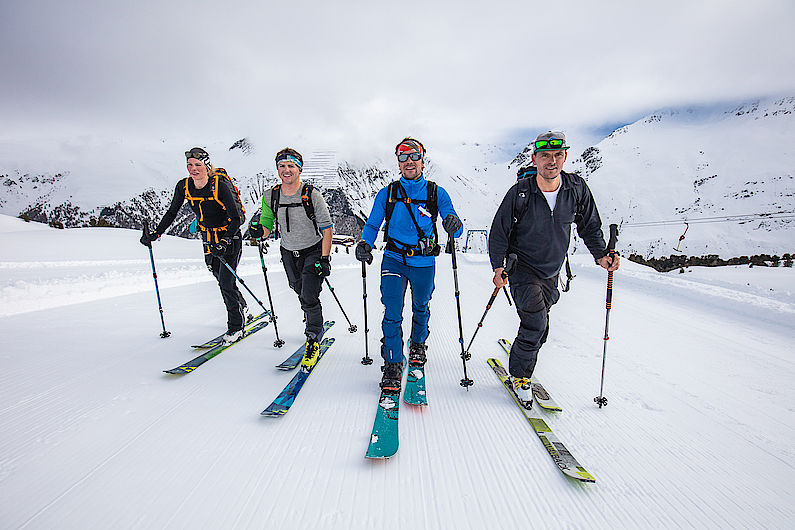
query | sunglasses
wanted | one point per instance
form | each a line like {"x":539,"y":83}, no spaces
{"x":198,"y":155}
{"x":554,"y":143}
{"x":405,"y":156}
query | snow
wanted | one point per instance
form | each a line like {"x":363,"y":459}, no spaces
{"x":698,"y":431}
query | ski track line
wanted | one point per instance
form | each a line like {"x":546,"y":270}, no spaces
{"x":197,"y":486}
{"x":108,"y":459}
{"x":712,"y":514}
{"x":690,"y":451}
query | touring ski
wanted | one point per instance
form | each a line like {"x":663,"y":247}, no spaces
{"x":559,"y":453}
{"x":414,"y":393}
{"x":540,"y":393}
{"x":384,"y":438}
{"x":219,"y":339}
{"x":295,"y":359}
{"x":212,"y":352}
{"x":285,"y":399}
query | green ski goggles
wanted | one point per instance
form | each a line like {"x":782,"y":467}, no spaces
{"x":554,"y":143}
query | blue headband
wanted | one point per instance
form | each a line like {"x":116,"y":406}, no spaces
{"x":291,"y":158}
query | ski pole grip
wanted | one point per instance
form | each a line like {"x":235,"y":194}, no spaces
{"x":611,"y":245}
{"x":611,"y":248}
{"x":146,"y":233}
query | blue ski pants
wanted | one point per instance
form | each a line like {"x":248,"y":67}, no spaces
{"x":395,"y":277}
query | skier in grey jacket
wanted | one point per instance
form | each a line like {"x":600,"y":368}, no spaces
{"x":300,"y":216}
{"x":534,"y":222}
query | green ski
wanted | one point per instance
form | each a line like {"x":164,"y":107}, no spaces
{"x":565,"y":461}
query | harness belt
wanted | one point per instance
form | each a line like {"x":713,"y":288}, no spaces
{"x":306,"y":251}
{"x":408,"y":251}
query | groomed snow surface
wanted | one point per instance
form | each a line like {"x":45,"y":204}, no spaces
{"x":698,"y":431}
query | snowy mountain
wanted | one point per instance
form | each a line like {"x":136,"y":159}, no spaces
{"x":724,"y":174}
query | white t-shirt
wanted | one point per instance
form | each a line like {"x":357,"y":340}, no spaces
{"x":551,"y":197}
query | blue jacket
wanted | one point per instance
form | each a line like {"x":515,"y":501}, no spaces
{"x":401,"y":227}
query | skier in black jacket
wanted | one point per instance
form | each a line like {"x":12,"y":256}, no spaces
{"x":546,"y":206}
{"x":212,"y":198}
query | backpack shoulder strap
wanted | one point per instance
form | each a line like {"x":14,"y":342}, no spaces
{"x":309,"y":207}
{"x":521,"y":201}
{"x":431,"y":204}
{"x":576,"y":185}
{"x":275,"y":194}
{"x":391,"y":197}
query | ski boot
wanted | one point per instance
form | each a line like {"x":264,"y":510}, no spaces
{"x":232,"y":335}
{"x":390,"y":381}
{"x":417,"y":354}
{"x":523,"y":389}
{"x":310,"y":355}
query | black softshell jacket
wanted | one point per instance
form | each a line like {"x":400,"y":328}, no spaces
{"x":541,"y":238}
{"x":211,"y":213}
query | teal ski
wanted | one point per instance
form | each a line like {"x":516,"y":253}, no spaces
{"x":414,"y":393}
{"x":295,"y":359}
{"x":540,"y":393}
{"x":285,"y":399}
{"x":212,"y":352}
{"x":565,"y":461}
{"x":384,"y":437}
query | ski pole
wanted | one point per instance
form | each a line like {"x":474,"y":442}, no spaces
{"x":223,"y":261}
{"x":509,"y":265}
{"x":466,"y":382}
{"x":351,"y":327}
{"x":154,"y":275}
{"x":507,"y":296}
{"x":611,"y":250}
{"x":366,"y":360}
{"x":278,"y":342}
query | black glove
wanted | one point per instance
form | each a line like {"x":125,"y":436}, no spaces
{"x":219,"y":249}
{"x":364,"y":252}
{"x":255,"y":229}
{"x":323,"y":266}
{"x":147,"y":238}
{"x":451,"y":224}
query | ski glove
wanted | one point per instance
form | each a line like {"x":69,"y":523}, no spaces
{"x":255,"y":230}
{"x":364,"y":252}
{"x":219,"y":249}
{"x":147,"y":239}
{"x":323,"y":266}
{"x":451,"y":224}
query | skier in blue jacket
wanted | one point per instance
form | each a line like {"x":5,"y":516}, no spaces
{"x":409,"y":207}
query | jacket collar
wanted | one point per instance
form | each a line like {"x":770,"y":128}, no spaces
{"x":565,"y":183}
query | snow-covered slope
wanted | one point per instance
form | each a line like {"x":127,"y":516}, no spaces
{"x":698,"y":431}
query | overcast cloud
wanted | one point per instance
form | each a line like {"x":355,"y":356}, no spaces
{"x":360,"y":75}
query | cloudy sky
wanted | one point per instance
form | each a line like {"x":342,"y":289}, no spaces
{"x":359,"y":75}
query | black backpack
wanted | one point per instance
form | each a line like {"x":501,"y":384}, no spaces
{"x":306,"y":202}
{"x":525,"y":172}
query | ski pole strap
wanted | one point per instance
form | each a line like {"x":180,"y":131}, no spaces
{"x":569,"y":276}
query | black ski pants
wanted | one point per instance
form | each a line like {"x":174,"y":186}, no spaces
{"x":233,"y":298}
{"x":533,"y":297}
{"x":304,"y":280}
